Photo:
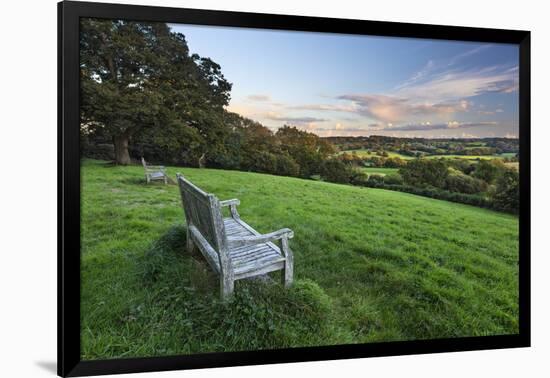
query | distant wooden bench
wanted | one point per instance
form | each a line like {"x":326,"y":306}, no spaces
{"x":233,"y":249}
{"x":154,"y":172}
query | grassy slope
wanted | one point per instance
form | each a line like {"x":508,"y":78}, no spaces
{"x":379,"y":171}
{"x":393,"y":266}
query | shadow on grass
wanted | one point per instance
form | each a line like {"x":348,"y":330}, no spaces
{"x":135,"y":180}
{"x":183,"y":293}
{"x":166,"y":253}
{"x":112,"y":164}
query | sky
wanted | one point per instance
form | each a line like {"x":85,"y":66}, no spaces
{"x":349,"y":85}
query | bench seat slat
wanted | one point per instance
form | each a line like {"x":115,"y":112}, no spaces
{"x":250,"y":258}
{"x":258,"y":269}
{"x":252,"y":251}
{"x":265,"y":255}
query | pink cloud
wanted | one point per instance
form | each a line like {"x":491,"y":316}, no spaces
{"x":391,"y":109}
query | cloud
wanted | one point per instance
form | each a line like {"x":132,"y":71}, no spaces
{"x":242,"y":109}
{"x":489,"y":112}
{"x":451,"y":85}
{"x":441,"y":91}
{"x":419,"y":75}
{"x":468,"y":53}
{"x":452,"y":125}
{"x":432,"y":93}
{"x":380,"y":107}
{"x":433,"y":66}
{"x":293,"y":120}
{"x":440,"y":126}
{"x":259,"y":97}
{"x":324,"y":107}
{"x":442,"y":81}
{"x":391,"y":109}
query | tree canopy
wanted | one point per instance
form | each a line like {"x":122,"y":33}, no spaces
{"x":138,"y":77}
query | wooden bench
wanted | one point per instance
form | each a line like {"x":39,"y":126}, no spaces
{"x":233,"y":249}
{"x":154,"y":172}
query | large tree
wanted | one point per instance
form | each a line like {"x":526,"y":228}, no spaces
{"x":138,"y":77}
{"x":307,"y":149}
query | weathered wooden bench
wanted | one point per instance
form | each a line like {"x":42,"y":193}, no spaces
{"x":154,"y":172}
{"x":233,"y":249}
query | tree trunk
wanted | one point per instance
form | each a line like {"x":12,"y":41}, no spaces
{"x":122,"y":156}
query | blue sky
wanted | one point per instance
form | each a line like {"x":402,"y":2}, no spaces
{"x":335,"y":84}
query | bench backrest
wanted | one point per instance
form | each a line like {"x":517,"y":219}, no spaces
{"x":202,"y":210}
{"x":143,"y":163}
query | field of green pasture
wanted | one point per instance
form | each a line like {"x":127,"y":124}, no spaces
{"x":379,"y":171}
{"x":370,"y":265}
{"x":472,"y":157}
{"x":365,"y":153}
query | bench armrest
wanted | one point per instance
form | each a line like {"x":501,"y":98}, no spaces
{"x":230,"y":202}
{"x":283,"y":233}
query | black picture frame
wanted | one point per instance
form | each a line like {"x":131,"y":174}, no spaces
{"x":69,"y":13}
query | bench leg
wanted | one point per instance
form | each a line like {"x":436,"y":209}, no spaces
{"x":226,"y":287}
{"x":287,"y":274}
{"x":165,"y":180}
{"x":288,"y":271}
{"x":190,"y":244}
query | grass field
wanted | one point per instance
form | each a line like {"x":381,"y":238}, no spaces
{"x":379,"y":171}
{"x":364,"y":153}
{"x":471,"y":157}
{"x":370,"y":265}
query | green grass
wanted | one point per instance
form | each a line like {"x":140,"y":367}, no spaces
{"x":395,"y":154}
{"x":475,"y":145}
{"x":364,"y":153}
{"x":471,"y":157}
{"x":379,"y":171}
{"x":370,"y":265}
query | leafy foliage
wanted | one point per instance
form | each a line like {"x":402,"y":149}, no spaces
{"x":506,"y":194}
{"x":393,"y":179}
{"x":488,"y":170}
{"x":335,"y":171}
{"x":424,"y":172}
{"x":307,"y":149}
{"x":461,"y":183}
{"x":139,"y":77}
